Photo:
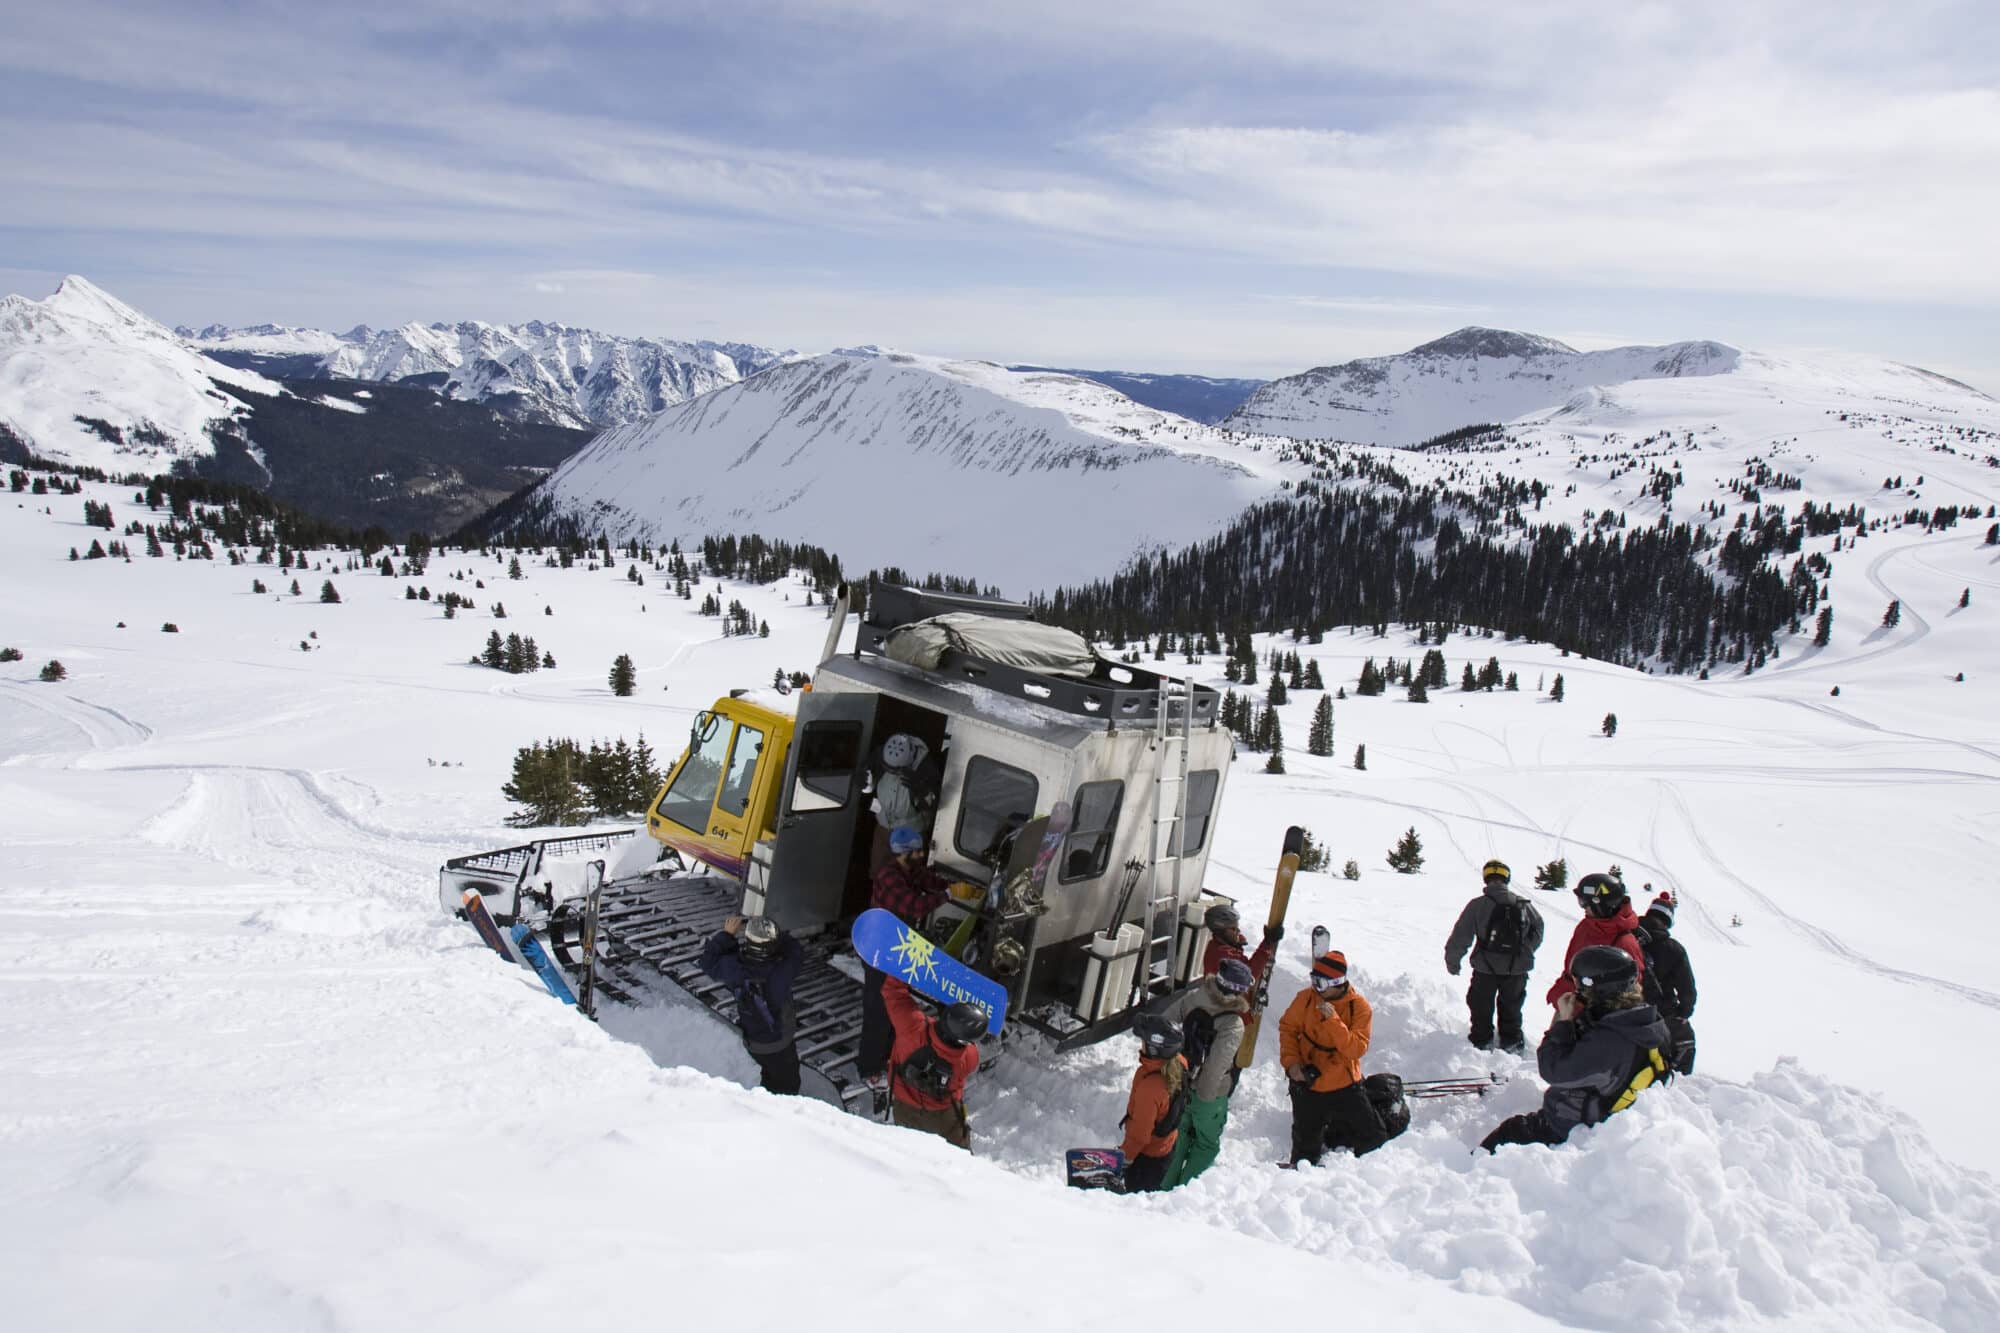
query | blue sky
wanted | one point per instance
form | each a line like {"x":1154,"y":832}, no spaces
{"x":1241,"y":189}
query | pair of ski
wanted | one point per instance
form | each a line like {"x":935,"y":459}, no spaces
{"x":1104,"y":1168}
{"x":520,"y":946}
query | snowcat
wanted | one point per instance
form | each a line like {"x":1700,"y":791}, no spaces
{"x":768,"y":810}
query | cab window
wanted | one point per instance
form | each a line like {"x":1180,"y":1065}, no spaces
{"x":735,"y":798}
{"x":1193,"y":832}
{"x":688,"y":801}
{"x":1094,"y":821}
{"x":829,"y":757}
{"x":998,"y":799}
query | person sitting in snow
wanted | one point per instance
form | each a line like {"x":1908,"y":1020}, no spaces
{"x":760,"y":965}
{"x":1672,"y":978}
{"x":1605,"y":1044}
{"x":1210,"y":1016}
{"x":931,"y":1060}
{"x":1159,"y":1099}
{"x":1607,"y":919}
{"x":1321,"y":1039}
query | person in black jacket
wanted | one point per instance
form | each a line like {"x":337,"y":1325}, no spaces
{"x":760,"y":964}
{"x":1604,"y":1035}
{"x":1672,"y":978}
{"x":1503,"y":930}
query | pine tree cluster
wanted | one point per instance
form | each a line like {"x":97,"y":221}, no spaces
{"x":515,"y":654}
{"x":558,"y":781}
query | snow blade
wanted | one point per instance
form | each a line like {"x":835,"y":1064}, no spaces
{"x":1281,"y":899}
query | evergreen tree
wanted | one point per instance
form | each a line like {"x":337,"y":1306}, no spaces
{"x":1319,"y":740}
{"x":1893,"y":616}
{"x":1965,"y":598}
{"x":1312,"y":676}
{"x":1610,"y":724}
{"x":1361,"y":757}
{"x":327,"y":592}
{"x":295,"y":588}
{"x":547,"y":783}
{"x":1556,"y":690}
{"x":1468,"y":682}
{"x":624,"y":678}
{"x":513,"y":567}
{"x":1312,"y":852}
{"x":1513,"y":682}
{"x":1276,"y":763}
{"x":52,"y":670}
{"x":1277,"y":694}
{"x":1407,"y":857}
{"x":495,"y":655}
{"x":514,"y":657}
{"x":1554,"y":876}
{"x":548,"y":661}
{"x":1419,"y":692}
{"x":1490,"y":674}
{"x":1823,"y":631}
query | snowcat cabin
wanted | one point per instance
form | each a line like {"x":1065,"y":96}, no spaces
{"x":719,"y":804}
{"x":1019,"y":716}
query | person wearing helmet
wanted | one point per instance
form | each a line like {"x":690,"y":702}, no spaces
{"x":1321,"y":1039}
{"x":906,"y":792}
{"x":907,"y":887}
{"x":1227,"y":940}
{"x":1210,"y":1016}
{"x":1604,"y":1035}
{"x":1607,"y":919}
{"x":760,"y":965}
{"x":930,"y":1062}
{"x":1671,"y":976}
{"x":1503,"y":930}
{"x":1159,"y":1099}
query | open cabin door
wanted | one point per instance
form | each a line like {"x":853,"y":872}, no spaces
{"x":822,"y":808}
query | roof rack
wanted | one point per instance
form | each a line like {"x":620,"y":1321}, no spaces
{"x":1119,"y":694}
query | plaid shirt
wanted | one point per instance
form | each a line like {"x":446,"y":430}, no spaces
{"x":911,"y":892}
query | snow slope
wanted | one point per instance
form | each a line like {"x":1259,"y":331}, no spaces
{"x":258,"y":1080}
{"x":926,"y":463}
{"x":550,"y":372}
{"x":1465,"y":378}
{"x":82,"y":353}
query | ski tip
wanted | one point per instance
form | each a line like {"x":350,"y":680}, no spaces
{"x":1295,"y":840}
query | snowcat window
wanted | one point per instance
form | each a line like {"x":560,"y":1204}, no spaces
{"x":692,"y":796}
{"x":997,"y":799}
{"x":829,"y":754}
{"x":735,"y":798}
{"x":1193,"y":832}
{"x":1087,"y":850}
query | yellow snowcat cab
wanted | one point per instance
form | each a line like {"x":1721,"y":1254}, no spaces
{"x":719,"y":804}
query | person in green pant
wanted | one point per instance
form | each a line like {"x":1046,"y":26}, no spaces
{"x":1210,"y":1013}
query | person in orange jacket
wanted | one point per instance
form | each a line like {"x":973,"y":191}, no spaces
{"x":1159,"y":1098}
{"x":1321,"y":1039}
{"x":931,"y":1060}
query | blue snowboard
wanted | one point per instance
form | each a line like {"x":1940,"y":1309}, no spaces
{"x":545,"y":968}
{"x":1095,"y":1168}
{"x":883,"y":942}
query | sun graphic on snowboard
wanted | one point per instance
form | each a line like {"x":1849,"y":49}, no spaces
{"x":916,"y":955}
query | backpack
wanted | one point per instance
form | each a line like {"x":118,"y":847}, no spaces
{"x":1385,"y":1094}
{"x":1653,"y":1068}
{"x":927,"y":1073}
{"x":1197,"y":1035}
{"x":1506,"y":929}
{"x":1170,"y":1118}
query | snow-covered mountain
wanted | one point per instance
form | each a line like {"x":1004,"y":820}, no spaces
{"x":86,"y":379}
{"x":1032,"y":479}
{"x":1472,"y":376}
{"x":1197,"y":397}
{"x":545,"y":372}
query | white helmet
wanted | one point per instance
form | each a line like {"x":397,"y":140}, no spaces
{"x":902,"y":751}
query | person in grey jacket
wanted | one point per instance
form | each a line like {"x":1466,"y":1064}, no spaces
{"x":1211,"y":1014}
{"x":1503,"y":930}
{"x":1596,"y":1052}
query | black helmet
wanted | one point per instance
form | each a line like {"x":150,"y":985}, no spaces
{"x":759,"y":939}
{"x":1221,"y":917}
{"x":1159,"y":1039}
{"x":1602,"y":971}
{"x":962,"y":1023}
{"x":1601,"y":895}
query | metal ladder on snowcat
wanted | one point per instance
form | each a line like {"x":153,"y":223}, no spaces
{"x":1173,"y":735}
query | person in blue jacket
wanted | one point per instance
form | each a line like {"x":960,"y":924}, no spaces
{"x":760,"y":965}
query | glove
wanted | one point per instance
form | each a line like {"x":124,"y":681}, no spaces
{"x":1451,"y":968}
{"x":1272,"y":934}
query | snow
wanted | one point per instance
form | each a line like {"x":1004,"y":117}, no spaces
{"x":876,"y":457}
{"x":82,"y":352}
{"x":258,"y":1079}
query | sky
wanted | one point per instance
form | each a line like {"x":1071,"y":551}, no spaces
{"x":1242,"y":189}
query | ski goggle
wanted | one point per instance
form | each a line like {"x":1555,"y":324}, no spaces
{"x":1321,"y":983}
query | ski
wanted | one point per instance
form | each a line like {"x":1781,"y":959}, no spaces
{"x":1281,"y":899}
{"x":1095,"y":1169}
{"x":1322,"y":941}
{"x":587,"y":995}
{"x":882,"y":941}
{"x":545,"y":968}
{"x":482,"y":921}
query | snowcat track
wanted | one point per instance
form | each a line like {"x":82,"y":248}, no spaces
{"x":650,"y":933}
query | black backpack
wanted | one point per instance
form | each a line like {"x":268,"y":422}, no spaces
{"x":1197,"y":1035}
{"x":1385,"y":1094}
{"x":927,"y":1073}
{"x":1506,"y":929}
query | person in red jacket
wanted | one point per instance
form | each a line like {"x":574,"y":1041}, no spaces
{"x":1227,"y":940}
{"x":1321,"y":1040}
{"x":908,"y":887}
{"x":1608,"y":918}
{"x":930,"y":1062}
{"x":1159,"y":1096}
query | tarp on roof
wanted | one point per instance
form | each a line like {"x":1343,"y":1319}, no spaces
{"x":1016,"y":643}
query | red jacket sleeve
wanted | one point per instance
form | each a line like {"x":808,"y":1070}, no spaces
{"x":904,"y":1016}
